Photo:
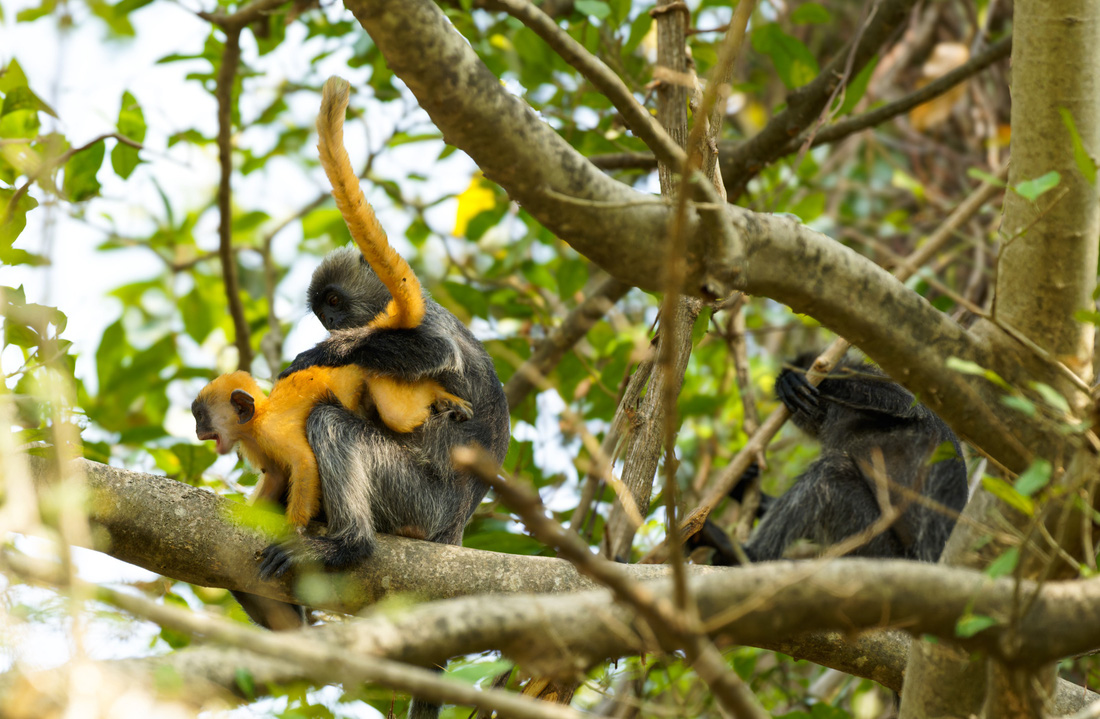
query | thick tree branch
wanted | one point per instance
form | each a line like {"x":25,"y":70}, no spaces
{"x":320,"y":662}
{"x":193,"y":535}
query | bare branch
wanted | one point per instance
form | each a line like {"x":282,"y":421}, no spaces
{"x":227,"y":73}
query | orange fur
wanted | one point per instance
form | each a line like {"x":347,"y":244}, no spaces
{"x":274,"y":439}
{"x":406,"y":310}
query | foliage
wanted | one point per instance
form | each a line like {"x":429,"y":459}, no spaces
{"x":490,"y":262}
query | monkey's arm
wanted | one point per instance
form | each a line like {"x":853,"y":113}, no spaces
{"x":408,"y":354}
{"x":855,"y":388}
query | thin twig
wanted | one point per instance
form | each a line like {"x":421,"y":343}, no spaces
{"x":245,"y":16}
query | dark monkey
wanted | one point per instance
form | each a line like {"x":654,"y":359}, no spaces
{"x":863,"y":421}
{"x":374,"y":479}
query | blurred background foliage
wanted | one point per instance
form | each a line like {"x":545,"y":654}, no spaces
{"x":168,"y":331}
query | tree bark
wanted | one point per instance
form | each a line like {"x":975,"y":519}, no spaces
{"x":1046,"y":273}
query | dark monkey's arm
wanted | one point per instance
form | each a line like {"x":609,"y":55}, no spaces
{"x":408,"y":354}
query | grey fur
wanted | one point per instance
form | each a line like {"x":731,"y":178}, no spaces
{"x":372,"y":478}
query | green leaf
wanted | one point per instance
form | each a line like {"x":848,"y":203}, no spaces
{"x":944,"y":452}
{"x":1005,"y":492}
{"x":21,"y":98}
{"x":131,"y":124}
{"x":12,"y":77}
{"x":1032,"y":189}
{"x":857,"y":88}
{"x":245,"y":682}
{"x":811,"y":14}
{"x":1051,"y":396}
{"x":12,"y":224}
{"x":572,"y":274}
{"x":1090,"y":316}
{"x":977,"y":174}
{"x":1085,"y":164}
{"x":1021,"y":404}
{"x":470,"y":298}
{"x":595,"y":8}
{"x":967,"y":367}
{"x":1034,"y":478}
{"x":795,"y":64}
{"x":201,"y":312}
{"x":1004,"y":564}
{"x":80,"y":173}
{"x":809,"y":207}
{"x":473,"y":673}
{"x":970,"y":624}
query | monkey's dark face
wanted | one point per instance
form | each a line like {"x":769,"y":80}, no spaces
{"x":207,"y":426}
{"x":332,"y":308}
{"x":217,"y":411}
{"x":344,"y":292}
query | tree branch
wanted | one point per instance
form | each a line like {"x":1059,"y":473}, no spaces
{"x":805,"y":105}
{"x":193,"y":535}
{"x":728,"y":150}
{"x":227,"y":73}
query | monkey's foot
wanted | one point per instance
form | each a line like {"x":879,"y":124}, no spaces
{"x":798,"y":394}
{"x":459,"y":409}
{"x":279,"y":558}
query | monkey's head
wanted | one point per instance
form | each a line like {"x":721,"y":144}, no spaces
{"x":345,"y":292}
{"x":224,"y":408}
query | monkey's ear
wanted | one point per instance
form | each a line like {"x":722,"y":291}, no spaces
{"x":244,"y":404}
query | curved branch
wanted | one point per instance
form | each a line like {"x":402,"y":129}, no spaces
{"x":729,"y":150}
{"x":624,"y":231}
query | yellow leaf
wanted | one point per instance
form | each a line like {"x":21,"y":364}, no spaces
{"x":500,"y":42}
{"x":474,"y":200}
{"x":945,"y":57}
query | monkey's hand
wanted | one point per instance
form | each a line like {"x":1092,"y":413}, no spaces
{"x":277,"y":559}
{"x":310,"y":358}
{"x":798,"y":394}
{"x":711,"y":535}
{"x":746,"y":480}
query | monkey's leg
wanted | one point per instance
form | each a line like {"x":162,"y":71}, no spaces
{"x":302,"y":504}
{"x":304,"y":497}
{"x":404,"y":406}
{"x":271,"y":613}
{"x":828,"y":503}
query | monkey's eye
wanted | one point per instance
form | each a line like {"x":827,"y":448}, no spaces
{"x":333,"y":300}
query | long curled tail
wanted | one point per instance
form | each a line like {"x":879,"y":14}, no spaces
{"x":407,"y":308}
